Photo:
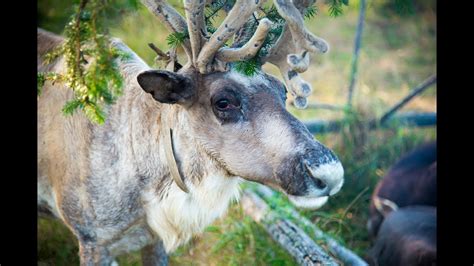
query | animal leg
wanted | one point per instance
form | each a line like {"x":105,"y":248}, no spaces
{"x":92,"y":255}
{"x":154,"y":255}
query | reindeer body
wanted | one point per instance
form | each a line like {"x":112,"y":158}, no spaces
{"x":110,"y":172}
{"x":410,"y":181}
{"x":402,"y":221}
{"x":406,"y":237}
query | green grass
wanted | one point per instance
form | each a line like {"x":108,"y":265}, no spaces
{"x":398,"y":52}
{"x":56,"y":244}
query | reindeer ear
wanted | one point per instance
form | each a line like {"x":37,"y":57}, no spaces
{"x":384,"y":206}
{"x":166,"y":86}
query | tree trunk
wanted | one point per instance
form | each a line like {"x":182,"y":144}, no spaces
{"x":339,"y":251}
{"x":284,"y":232}
{"x":355,"y":56}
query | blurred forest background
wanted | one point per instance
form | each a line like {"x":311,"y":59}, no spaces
{"x":398,"y":53}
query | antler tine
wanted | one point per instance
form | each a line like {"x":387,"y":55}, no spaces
{"x":243,"y":34}
{"x":236,"y":17}
{"x":291,"y":52}
{"x":172,"y":20}
{"x":304,"y":39}
{"x":297,"y":86}
{"x":194,"y":10}
{"x":250,"y":49}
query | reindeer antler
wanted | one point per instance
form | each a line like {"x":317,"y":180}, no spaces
{"x":201,"y":50}
{"x":235,"y":19}
{"x":207,"y":54}
{"x":290,"y":53}
{"x":250,"y":49}
{"x":194,"y":10}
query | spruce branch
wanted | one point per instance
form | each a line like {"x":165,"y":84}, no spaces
{"x":176,"y":38}
{"x":335,"y":8}
{"x":96,"y":81}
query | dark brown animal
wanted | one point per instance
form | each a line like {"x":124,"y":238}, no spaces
{"x":411,"y":181}
{"x":407,"y":237}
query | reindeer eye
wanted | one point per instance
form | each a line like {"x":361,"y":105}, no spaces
{"x":223,"y":104}
{"x":227,"y":106}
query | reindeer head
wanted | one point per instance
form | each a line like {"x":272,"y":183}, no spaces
{"x":241,"y":121}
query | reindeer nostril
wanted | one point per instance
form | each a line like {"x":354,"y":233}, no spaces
{"x":327,"y":178}
{"x":320,"y":184}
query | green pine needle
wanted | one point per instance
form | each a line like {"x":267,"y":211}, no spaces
{"x":94,"y":113}
{"x":404,"y":7}
{"x":41,"y":79}
{"x":311,"y":12}
{"x":98,"y":84}
{"x":335,"y":8}
{"x":71,"y":106}
{"x":177,"y":38}
{"x":133,"y":4}
{"x":248,"y":68}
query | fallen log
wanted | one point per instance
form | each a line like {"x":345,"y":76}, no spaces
{"x":408,"y":119}
{"x":339,"y":251}
{"x":298,"y":244}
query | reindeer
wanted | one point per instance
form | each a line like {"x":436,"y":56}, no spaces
{"x":410,"y":181}
{"x":176,"y":145}
{"x":406,"y":237}
{"x":402,"y":221}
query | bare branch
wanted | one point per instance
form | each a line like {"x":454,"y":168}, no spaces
{"x":162,"y":55}
{"x":419,"y":89}
{"x":172,"y":20}
{"x":170,"y":58}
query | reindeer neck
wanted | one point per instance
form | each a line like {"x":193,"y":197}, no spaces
{"x":193,"y":162}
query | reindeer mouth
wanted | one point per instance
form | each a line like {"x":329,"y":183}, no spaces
{"x":310,"y":203}
{"x":319,"y":183}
